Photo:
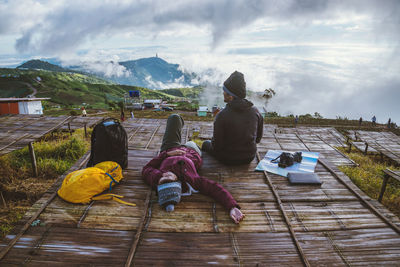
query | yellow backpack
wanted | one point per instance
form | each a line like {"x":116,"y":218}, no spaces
{"x":81,"y":186}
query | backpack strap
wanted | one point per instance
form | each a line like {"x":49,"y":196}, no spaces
{"x":114,"y":197}
{"x":275,"y":160}
{"x":112,"y":178}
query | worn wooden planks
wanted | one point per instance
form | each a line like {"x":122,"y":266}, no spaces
{"x":78,"y":122}
{"x":17,"y":131}
{"x":332,"y":226}
{"x":385,"y":143}
{"x":62,"y":246}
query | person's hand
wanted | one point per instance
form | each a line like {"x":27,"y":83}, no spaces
{"x":177,"y":152}
{"x":236,"y":215}
{"x":168,"y":177}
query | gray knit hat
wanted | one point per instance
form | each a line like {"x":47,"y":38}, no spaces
{"x":169,"y":194}
{"x":235,"y":85}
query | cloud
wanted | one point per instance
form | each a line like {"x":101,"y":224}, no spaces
{"x":347,"y":88}
{"x":108,"y":69}
{"x":330,"y":56}
{"x":177,"y":83}
{"x":57,"y":26}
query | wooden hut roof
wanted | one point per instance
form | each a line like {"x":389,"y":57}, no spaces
{"x":13,"y":99}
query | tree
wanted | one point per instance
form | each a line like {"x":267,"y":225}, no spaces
{"x":269,"y":93}
{"x":317,"y":115}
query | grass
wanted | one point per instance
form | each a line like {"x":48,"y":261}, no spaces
{"x":55,"y":154}
{"x":368,"y":176}
{"x":9,"y":216}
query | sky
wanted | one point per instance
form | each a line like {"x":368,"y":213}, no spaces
{"x":334,"y":57}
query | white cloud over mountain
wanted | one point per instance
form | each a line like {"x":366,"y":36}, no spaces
{"x":336,"y":57}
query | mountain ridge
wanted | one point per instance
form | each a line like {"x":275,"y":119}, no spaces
{"x":38,"y":64}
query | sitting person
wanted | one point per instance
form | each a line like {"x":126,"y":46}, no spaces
{"x":177,"y":162}
{"x":237,"y":128}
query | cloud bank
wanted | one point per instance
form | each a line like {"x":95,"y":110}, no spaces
{"x":336,"y":57}
{"x":58,"y":26}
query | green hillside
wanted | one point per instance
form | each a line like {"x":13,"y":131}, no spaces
{"x":41,"y":65}
{"x":68,"y":89}
{"x":192,"y":93}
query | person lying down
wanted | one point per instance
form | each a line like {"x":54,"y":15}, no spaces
{"x":174,"y":171}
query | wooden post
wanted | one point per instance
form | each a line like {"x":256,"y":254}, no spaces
{"x":366,"y":148}
{"x":349,"y":147}
{"x":33,"y":159}
{"x":4,"y":201}
{"x":69,"y":128}
{"x":85,"y":130}
{"x":383,"y":188}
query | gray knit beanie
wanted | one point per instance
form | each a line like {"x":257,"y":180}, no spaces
{"x":235,"y":85}
{"x":169,"y":194}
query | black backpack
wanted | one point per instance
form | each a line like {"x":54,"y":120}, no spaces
{"x":109,"y":143}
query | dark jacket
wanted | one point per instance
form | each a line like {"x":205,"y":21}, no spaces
{"x":237,"y":129}
{"x":186,"y":167}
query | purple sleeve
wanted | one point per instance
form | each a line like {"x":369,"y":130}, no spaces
{"x":150,"y":173}
{"x":216,"y":191}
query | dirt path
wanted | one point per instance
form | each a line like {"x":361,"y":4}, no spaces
{"x":33,"y":88}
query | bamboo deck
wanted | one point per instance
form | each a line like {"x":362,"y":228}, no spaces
{"x":332,"y":225}
{"x":17,"y":131}
{"x":386,"y":143}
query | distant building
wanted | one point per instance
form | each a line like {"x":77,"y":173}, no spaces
{"x":202,"y":111}
{"x":152,"y":103}
{"x":21,"y":105}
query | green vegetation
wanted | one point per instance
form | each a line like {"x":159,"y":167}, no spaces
{"x":67,"y":89}
{"x":368,"y":176}
{"x":190,"y":93}
{"x":10,"y":88}
{"x":55,"y":154}
{"x":53,"y":157}
{"x":317,"y":120}
{"x":187,"y":106}
{"x":43,"y":65}
{"x":9,"y":216}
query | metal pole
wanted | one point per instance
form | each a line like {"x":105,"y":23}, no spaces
{"x":33,"y":159}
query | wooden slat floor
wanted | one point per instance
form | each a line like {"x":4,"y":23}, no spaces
{"x":386,"y":143}
{"x":77,"y":122}
{"x":324,"y":140}
{"x":331,"y":225}
{"x":17,"y":131}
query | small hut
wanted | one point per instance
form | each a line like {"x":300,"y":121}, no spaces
{"x":21,"y":105}
{"x":202,"y":111}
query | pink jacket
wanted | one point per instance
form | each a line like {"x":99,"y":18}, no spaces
{"x":185,"y":167}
